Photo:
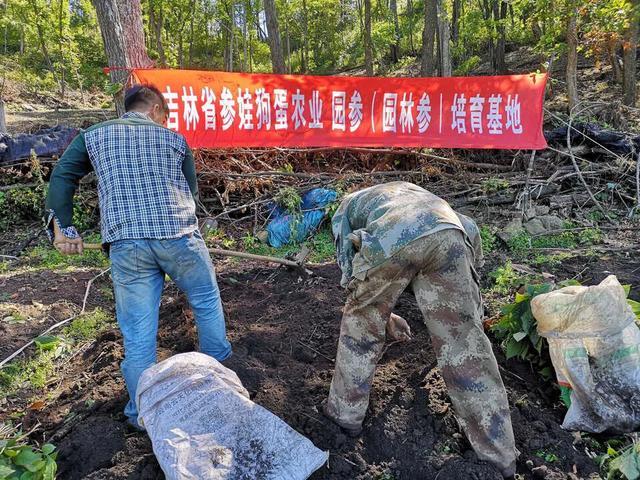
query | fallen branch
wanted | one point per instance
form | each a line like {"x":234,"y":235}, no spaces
{"x":57,"y":325}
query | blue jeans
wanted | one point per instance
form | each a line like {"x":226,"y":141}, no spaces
{"x":138,"y":270}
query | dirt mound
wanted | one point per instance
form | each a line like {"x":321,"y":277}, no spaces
{"x":284,"y":330}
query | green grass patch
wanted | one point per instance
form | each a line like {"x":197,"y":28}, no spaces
{"x":37,"y":370}
{"x":4,"y":266}
{"x":48,"y":257}
{"x":523,"y":242}
{"x":321,"y":246}
{"x":88,"y":325}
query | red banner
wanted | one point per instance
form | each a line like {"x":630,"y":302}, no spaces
{"x":222,"y":110}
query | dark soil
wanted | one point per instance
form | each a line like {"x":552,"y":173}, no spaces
{"x":284,"y":330}
{"x":59,"y":292}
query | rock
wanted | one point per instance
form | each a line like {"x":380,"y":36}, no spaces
{"x":511,"y":229}
{"x":552,"y":222}
{"x":542,"y":210}
{"x":530,"y":213}
{"x":535,"y":227}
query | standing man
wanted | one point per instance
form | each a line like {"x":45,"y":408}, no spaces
{"x":396,"y":235}
{"x":147,"y":189}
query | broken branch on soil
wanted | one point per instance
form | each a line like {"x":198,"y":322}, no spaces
{"x":57,"y":325}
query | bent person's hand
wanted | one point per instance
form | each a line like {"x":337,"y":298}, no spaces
{"x":66,"y":245}
{"x":398,"y":329}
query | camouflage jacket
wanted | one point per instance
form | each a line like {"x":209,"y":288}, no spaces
{"x":385,"y":218}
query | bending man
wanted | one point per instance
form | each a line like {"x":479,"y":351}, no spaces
{"x":396,"y":235}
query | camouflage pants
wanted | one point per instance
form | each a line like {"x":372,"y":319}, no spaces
{"x":440,"y":270}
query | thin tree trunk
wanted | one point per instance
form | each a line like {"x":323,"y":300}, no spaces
{"x":60,"y":51}
{"x":156,"y":25}
{"x":277,"y":57}
{"x":288,"y":42}
{"x":192,"y":9}
{"x":395,"y":46}
{"x":123,"y":37}
{"x":368,"y":47}
{"x":443,"y":39}
{"x":455,"y":22}
{"x":572,"y":55}
{"x":629,"y":56}
{"x":3,"y":119}
{"x":305,"y":41}
{"x":500,"y":13}
{"x":612,"y":47}
{"x":427,"y":67}
{"x":410,"y":18}
{"x":43,"y":43}
{"x":245,"y":42}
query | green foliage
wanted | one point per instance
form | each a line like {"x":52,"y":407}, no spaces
{"x":505,"y":278}
{"x":621,"y":464}
{"x":39,"y":369}
{"x":88,"y":325}
{"x":218,"y":237}
{"x":520,"y":243}
{"x":523,"y":241}
{"x":19,"y":205}
{"x":494,"y":184}
{"x":321,"y":246}
{"x":21,"y":461}
{"x":49,"y":258}
{"x":517,"y":329}
{"x":548,"y":457}
{"x":488,"y":237}
{"x":288,"y":199}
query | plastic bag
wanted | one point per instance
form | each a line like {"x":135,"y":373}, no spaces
{"x":203,"y":426}
{"x":286,"y":228}
{"x":594,"y":344}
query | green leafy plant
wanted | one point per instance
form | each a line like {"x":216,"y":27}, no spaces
{"x":505,"y":278}
{"x":21,"y":461}
{"x":621,"y":464}
{"x":517,"y":329}
{"x":488,"y":237}
{"x":548,"y":457}
{"x":494,"y":184}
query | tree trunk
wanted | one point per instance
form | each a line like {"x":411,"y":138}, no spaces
{"x":572,"y":56}
{"x":193,"y":11}
{"x":500,"y":13}
{"x":123,"y":37}
{"x":156,"y":25}
{"x":60,"y":49}
{"x":444,"y":36}
{"x":629,"y":56}
{"x":395,"y":46}
{"x":455,"y":22}
{"x":427,"y":68}
{"x":368,"y":47}
{"x":3,"y":120}
{"x":612,"y":47}
{"x":410,"y":22}
{"x":305,"y":41}
{"x":277,"y":57}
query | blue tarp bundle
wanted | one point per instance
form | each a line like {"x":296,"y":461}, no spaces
{"x":313,"y":202}
{"x":46,"y":143}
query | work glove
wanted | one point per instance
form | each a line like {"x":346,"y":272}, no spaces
{"x":66,"y":245}
{"x":398,"y":329}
